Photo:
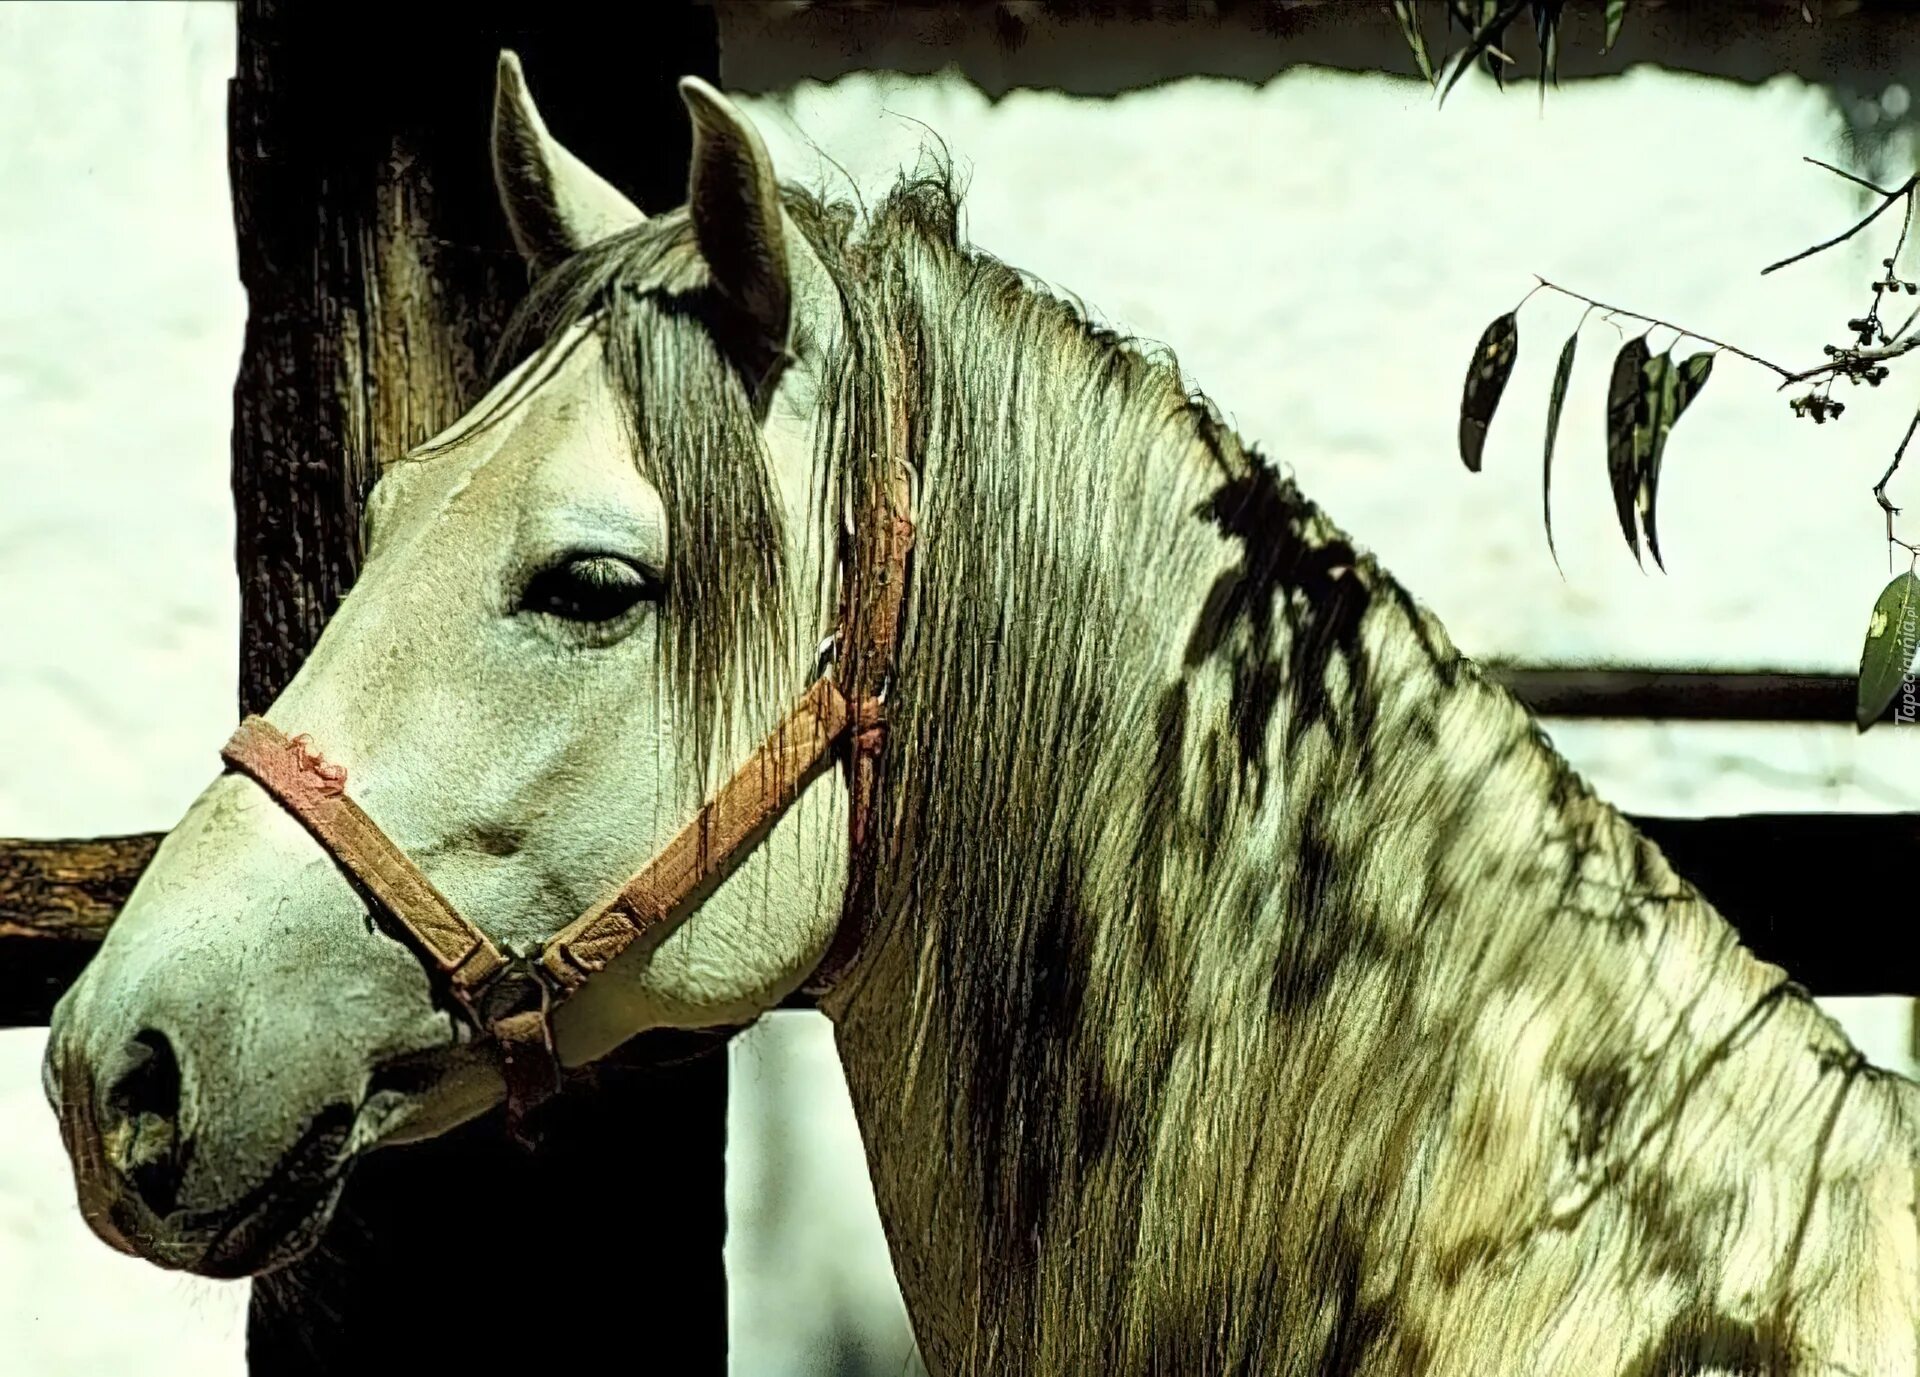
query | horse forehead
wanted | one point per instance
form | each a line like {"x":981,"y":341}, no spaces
{"x":570,"y":424}
{"x":571,"y":474}
{"x":562,"y":440}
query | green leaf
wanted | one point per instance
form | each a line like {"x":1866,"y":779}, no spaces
{"x":1659,"y":392}
{"x":1623,"y":409}
{"x":1486,"y":379}
{"x":1562,"y":372}
{"x":1616,"y":12}
{"x":1492,"y":25}
{"x":1546,"y":31}
{"x":1888,"y":653}
{"x":1648,"y":412}
{"x":1410,"y":30}
{"x":1680,"y":385}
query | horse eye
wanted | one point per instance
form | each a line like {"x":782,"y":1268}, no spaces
{"x":589,"y":588}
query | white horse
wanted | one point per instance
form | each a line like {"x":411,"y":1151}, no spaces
{"x":1243,"y":983}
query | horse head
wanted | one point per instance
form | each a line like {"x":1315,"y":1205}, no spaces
{"x":575,"y":605}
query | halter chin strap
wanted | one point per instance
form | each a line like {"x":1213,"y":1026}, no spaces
{"x":510,"y":999}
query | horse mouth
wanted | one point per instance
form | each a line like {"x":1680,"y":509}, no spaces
{"x":277,"y":1222}
{"x":281,"y":1219}
{"x":279,"y":1231}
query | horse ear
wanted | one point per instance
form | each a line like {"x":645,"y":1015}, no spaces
{"x":759,"y":260}
{"x":556,"y":205}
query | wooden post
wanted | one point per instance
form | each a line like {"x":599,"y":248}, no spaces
{"x":378,"y":272}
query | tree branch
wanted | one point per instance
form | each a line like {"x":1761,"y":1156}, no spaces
{"x":1887,"y":199}
{"x":1681,"y":331}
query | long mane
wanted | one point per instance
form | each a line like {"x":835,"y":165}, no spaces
{"x":1253,"y":987}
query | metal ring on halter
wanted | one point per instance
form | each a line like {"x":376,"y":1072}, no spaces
{"x":522,"y":986}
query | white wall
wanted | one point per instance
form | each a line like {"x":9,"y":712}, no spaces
{"x":1322,"y":252}
{"x":120,"y":320}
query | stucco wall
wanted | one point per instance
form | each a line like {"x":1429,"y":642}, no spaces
{"x":120,"y":321}
{"x":1322,"y":252}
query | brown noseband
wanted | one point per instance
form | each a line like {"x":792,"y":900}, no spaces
{"x":510,"y":999}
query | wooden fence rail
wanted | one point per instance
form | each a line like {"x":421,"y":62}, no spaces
{"x":1773,"y":876}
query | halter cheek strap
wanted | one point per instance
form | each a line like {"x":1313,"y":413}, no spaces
{"x":509,"y":999}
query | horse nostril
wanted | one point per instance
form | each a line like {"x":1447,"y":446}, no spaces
{"x":147,"y":1081}
{"x":140,"y":1119}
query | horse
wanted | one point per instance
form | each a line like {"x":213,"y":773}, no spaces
{"x":1238,"y":981}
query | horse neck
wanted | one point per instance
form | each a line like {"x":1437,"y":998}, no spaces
{"x":1360,"y":1021}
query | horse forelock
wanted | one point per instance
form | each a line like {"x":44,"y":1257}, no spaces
{"x":733,"y":649}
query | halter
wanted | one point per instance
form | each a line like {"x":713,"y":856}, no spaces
{"x":509,"y":999}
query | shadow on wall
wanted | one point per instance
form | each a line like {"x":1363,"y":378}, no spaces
{"x":1105,"y":49}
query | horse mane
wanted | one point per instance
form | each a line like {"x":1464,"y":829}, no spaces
{"x":1279,"y":997}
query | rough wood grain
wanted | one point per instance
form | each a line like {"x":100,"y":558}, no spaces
{"x":68,"y":890}
{"x":56,"y":900}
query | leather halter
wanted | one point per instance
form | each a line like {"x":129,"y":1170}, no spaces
{"x":509,"y":999}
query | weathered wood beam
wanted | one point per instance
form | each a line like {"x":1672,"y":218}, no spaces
{"x":1766,"y":873}
{"x":1699,"y":695}
{"x":1814,"y":893}
{"x":68,"y":890}
{"x":56,"y":900}
{"x":1775,"y":877}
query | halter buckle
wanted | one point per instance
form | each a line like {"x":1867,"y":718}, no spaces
{"x":515,"y":1010}
{"x":521,"y":986}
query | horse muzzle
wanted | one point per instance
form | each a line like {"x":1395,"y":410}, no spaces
{"x":121,"y":1121}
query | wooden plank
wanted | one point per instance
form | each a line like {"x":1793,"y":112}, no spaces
{"x":1764,"y":872}
{"x":56,"y":900}
{"x":1771,"y":875}
{"x":68,"y":890}
{"x":1814,"y":893}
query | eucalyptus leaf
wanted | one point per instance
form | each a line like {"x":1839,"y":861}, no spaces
{"x":1556,"y":398}
{"x":1682,"y":385}
{"x":1693,"y":376}
{"x":1546,"y":32}
{"x":1616,"y":12}
{"x":1658,"y":400}
{"x":1493,"y":21}
{"x":1623,"y":410}
{"x":1416,"y":40}
{"x":1888,"y":652}
{"x":1487,"y":378}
